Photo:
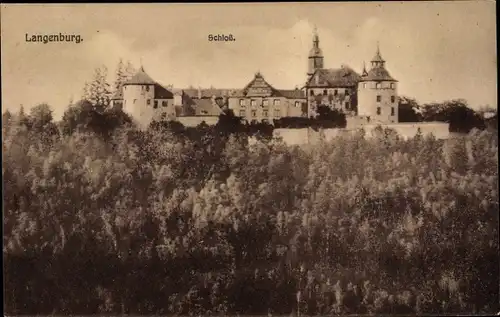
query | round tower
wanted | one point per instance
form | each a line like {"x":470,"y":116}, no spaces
{"x":315,"y":59}
{"x":138,"y":98}
{"x":377,"y":93}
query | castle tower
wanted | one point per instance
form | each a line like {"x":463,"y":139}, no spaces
{"x":315,"y":59}
{"x":138,"y":97}
{"x":377,"y":93}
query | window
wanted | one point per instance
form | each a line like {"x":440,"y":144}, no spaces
{"x":149,"y":101}
{"x":254,"y":113}
{"x":325,"y":92}
{"x":378,"y":86}
{"x":335,"y":92}
{"x":392,"y":111}
{"x":242,"y":113}
{"x":379,"y":98}
{"x":135,"y":101}
{"x":347,"y":92}
{"x":242,"y":102}
{"x":265,"y":102}
{"x":347,"y":105}
{"x":163,"y":116}
{"x":164,"y":103}
{"x":204,"y":112}
{"x":311,"y":92}
{"x":253,"y":103}
{"x":393,"y":85}
{"x":265,"y":113}
{"x":276,"y":102}
{"x":277,"y":113}
{"x":155,"y":105}
{"x":147,"y":88}
{"x":393,"y":99}
{"x":364,"y":85}
{"x":379,"y":110}
{"x":297,"y":104}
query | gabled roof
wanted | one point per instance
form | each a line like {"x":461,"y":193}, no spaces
{"x":335,"y":78}
{"x":205,"y":107}
{"x":162,"y":93}
{"x":140,"y":78}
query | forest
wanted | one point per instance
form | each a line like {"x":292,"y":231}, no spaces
{"x":102,"y":218}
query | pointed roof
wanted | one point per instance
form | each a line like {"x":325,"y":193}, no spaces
{"x":315,"y":50}
{"x":378,"y":57}
{"x":364,"y":73}
{"x":140,"y":78}
{"x":378,"y":74}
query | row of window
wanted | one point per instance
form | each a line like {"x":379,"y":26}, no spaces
{"x":265,"y":113}
{"x":265,"y":102}
{"x":164,"y":103}
{"x":379,"y":85}
{"x":325,"y":92}
{"x":393,"y":98}
{"x":379,"y":111}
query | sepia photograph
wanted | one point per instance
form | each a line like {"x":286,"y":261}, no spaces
{"x":250,"y":159}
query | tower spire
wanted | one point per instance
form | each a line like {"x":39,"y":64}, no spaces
{"x":140,"y":62}
{"x":377,"y":60}
{"x":364,"y":73}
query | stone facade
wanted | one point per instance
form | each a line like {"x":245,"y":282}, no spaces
{"x":260,"y":102}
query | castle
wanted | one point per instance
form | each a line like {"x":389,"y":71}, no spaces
{"x":369,"y":97}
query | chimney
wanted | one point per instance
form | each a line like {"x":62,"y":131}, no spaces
{"x":199,"y":92}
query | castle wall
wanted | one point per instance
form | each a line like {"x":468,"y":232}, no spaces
{"x":405,"y":130}
{"x":368,"y":104}
{"x":138,"y":103}
{"x":194,"y":121}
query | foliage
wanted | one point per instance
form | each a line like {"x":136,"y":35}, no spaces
{"x":200,"y":221}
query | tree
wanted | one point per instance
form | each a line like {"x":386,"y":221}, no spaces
{"x":121,"y":75}
{"x":99,"y":89}
{"x":409,"y":110}
{"x":328,"y":118}
{"x":130,"y":70}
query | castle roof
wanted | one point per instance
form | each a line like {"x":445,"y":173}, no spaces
{"x":259,"y":87}
{"x":206,"y":107}
{"x":334,"y":78}
{"x":378,"y":74}
{"x":140,"y":78}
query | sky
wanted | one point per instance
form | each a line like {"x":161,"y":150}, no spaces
{"x":436,"y":50}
